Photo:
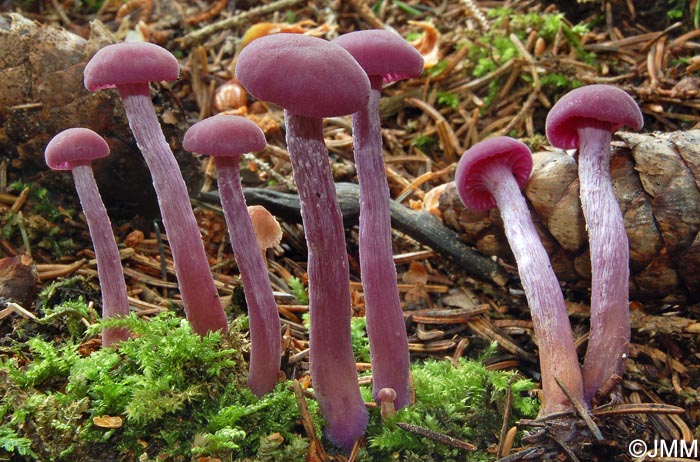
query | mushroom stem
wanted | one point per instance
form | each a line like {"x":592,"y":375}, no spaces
{"x":199,"y":294}
{"x":332,"y":361}
{"x":265,"y":338}
{"x":386,"y":329}
{"x":557,"y":352}
{"x":109,"y":265}
{"x":610,"y":324}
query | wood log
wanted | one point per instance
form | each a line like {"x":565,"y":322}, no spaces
{"x":421,"y":226}
{"x":42,"y":93}
{"x":657,"y":184}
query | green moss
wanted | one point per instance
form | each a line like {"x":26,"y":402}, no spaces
{"x":41,"y":224}
{"x":495,"y":48}
{"x":464,"y":402}
{"x":299,"y":290}
{"x":448,"y":99}
{"x":426,"y":143}
{"x":360,"y":343}
{"x":179,"y":396}
{"x":182,"y":397}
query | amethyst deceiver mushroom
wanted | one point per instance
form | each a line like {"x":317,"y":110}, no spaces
{"x":312,"y":79}
{"x":491,"y":174}
{"x":74,"y":149}
{"x":226,"y":138}
{"x":385,"y":57}
{"x":130,"y":67}
{"x":585,"y":118}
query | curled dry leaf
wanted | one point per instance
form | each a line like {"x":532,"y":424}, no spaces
{"x":230,"y":95}
{"x":262,"y":29}
{"x":416,"y":274}
{"x":427,"y":44}
{"x":431,"y":200}
{"x":142,"y":8}
{"x":107,"y":421}
{"x":134,"y":238}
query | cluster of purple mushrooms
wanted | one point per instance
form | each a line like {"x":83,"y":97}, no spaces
{"x":312,"y":79}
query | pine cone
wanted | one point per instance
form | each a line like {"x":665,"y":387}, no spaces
{"x":657,"y":183}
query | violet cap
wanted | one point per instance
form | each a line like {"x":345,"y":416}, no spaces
{"x":224,"y":135}
{"x":592,"y":104}
{"x":129,"y":63}
{"x":306,"y":75}
{"x":383,"y":53}
{"x":75,"y":146}
{"x":499,"y":150}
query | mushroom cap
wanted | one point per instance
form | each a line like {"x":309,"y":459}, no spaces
{"x":74,"y":146}
{"x":476,"y":162}
{"x":306,"y":75}
{"x":383,"y":53}
{"x":129,"y":62}
{"x":593,"y":104}
{"x":268,"y":231}
{"x":224,"y":135}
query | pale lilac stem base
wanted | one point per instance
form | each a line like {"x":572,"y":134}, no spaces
{"x":265,"y":335}
{"x":555,"y":341}
{"x":333,"y":370}
{"x":109,"y":266}
{"x":386,"y":329}
{"x":199,"y":294}
{"x":609,"y":336}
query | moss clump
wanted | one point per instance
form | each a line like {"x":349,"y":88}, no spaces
{"x":168,"y":394}
{"x":179,"y":396}
{"x":464,"y":402}
{"x":41,"y":224}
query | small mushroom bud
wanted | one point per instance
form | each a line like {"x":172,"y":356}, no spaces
{"x":386,"y":397}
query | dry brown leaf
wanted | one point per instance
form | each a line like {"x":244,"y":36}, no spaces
{"x":107,"y":421}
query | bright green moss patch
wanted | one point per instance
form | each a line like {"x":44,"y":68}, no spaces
{"x":176,"y":396}
{"x":464,"y":402}
{"x":179,"y":396}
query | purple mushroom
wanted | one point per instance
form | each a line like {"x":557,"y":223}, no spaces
{"x":226,"y":138}
{"x":385,"y":57}
{"x":312,"y":79}
{"x":75,"y":149}
{"x":491,"y":174}
{"x":130,"y":67}
{"x":585,"y":118}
